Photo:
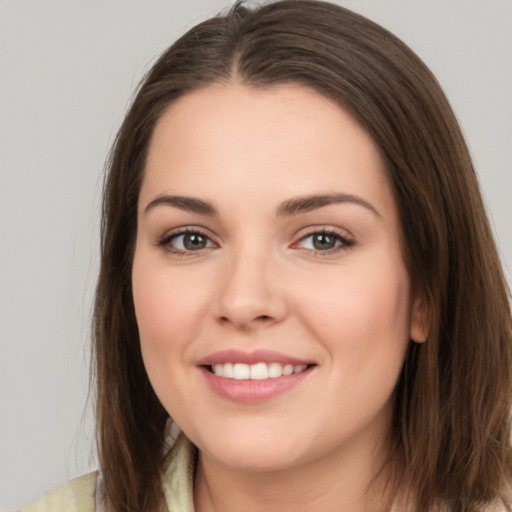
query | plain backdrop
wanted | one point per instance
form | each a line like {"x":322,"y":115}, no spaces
{"x":67,"y":70}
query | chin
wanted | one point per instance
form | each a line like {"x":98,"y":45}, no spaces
{"x":253,"y":453}
{"x":254,"y":461}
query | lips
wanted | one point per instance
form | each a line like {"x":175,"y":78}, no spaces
{"x":251,"y":377}
{"x":256,"y":356}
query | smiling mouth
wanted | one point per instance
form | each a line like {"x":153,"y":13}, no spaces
{"x":258,"y":371}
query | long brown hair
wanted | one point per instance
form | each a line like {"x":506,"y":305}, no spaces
{"x":451,"y":420}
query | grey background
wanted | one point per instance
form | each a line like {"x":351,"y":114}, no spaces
{"x":67,"y":69}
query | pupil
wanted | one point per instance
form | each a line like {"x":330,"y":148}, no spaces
{"x":193,"y":241}
{"x":323,"y":242}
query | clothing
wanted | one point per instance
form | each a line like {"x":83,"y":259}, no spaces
{"x":83,"y":494}
{"x":76,"y":496}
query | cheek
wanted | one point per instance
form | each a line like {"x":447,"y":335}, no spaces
{"x":169,"y":308}
{"x":164,"y":298}
{"x":364,"y":319}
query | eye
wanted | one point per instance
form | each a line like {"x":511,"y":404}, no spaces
{"x":324,"y":241}
{"x":187,"y":241}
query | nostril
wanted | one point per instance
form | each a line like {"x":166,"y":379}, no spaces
{"x":245,"y":323}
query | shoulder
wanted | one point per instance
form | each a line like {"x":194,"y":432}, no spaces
{"x":77,"y":495}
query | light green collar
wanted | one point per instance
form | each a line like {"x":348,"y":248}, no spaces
{"x":179,"y":477}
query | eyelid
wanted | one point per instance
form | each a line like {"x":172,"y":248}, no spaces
{"x":164,"y":241}
{"x":343,"y":236}
{"x":346,"y":239}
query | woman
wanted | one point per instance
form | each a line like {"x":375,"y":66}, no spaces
{"x":298,"y":270}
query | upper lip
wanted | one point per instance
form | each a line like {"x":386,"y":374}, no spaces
{"x":253,"y":357}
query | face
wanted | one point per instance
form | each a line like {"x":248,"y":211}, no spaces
{"x":273,"y":304}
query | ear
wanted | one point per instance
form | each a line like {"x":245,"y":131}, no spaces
{"x":420,"y":322}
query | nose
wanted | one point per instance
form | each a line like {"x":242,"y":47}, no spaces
{"x":251,"y":293}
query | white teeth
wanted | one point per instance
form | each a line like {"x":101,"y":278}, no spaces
{"x":275,"y":370}
{"x":258,"y":371}
{"x":241,"y":371}
{"x":287,"y":369}
{"x":228,"y":371}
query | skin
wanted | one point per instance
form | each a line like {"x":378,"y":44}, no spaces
{"x":259,"y":283}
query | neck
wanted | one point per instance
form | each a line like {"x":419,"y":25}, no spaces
{"x":352,"y":478}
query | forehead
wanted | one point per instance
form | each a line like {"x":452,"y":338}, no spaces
{"x":285,"y":139}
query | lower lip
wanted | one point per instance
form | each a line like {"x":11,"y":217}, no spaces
{"x":252,"y":391}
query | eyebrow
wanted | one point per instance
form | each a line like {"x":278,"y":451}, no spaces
{"x":190,"y":204}
{"x":288,"y":208}
{"x":308,"y":203}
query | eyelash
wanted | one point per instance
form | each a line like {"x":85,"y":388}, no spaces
{"x":341,"y":241}
{"x":165,"y":242}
